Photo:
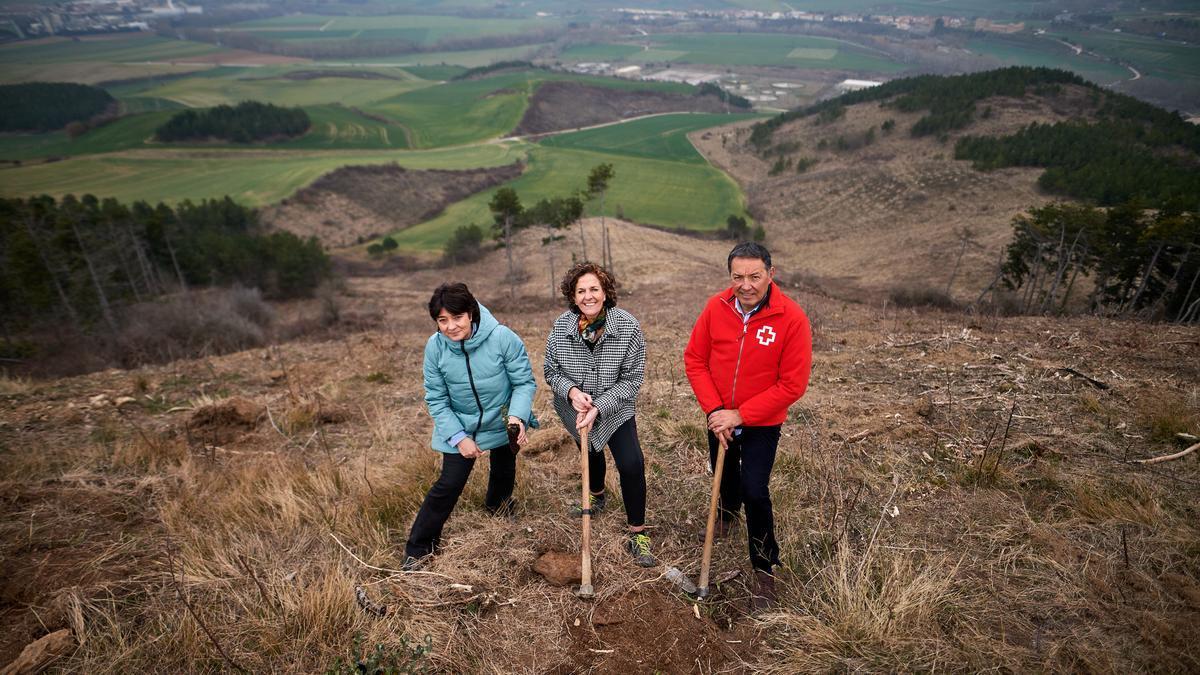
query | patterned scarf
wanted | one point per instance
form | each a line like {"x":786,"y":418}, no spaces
{"x":590,"y":330}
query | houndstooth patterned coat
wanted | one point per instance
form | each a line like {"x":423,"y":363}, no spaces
{"x":611,"y":374}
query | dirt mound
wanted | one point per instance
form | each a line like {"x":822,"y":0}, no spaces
{"x":648,"y":632}
{"x":559,"y":568}
{"x":226,"y":420}
{"x":567,"y":105}
{"x":356,"y":203}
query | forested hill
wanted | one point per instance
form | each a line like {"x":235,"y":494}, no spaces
{"x":1118,"y":149}
{"x":1133,"y":170}
{"x":46,"y":106}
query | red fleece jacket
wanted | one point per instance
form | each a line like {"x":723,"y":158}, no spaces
{"x":758,"y":368}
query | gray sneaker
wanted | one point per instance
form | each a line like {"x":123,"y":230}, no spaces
{"x":414,"y":564}
{"x":639,"y":548}
{"x":596,"y":504}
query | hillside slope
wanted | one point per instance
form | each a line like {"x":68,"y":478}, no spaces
{"x":950,"y":493}
{"x":873,"y":217}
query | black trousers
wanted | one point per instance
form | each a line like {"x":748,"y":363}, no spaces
{"x":748,"y":462}
{"x":631,"y":467}
{"x":426,"y":533}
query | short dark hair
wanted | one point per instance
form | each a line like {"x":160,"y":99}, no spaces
{"x":608,"y":283}
{"x":749,"y":249}
{"x":455,"y":298}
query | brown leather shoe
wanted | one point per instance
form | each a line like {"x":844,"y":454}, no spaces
{"x":763,"y":596}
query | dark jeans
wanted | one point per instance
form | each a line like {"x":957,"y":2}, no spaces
{"x":748,"y":462}
{"x":426,"y":532}
{"x":631,"y":467}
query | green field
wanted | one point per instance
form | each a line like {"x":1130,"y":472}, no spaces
{"x":253,"y":177}
{"x":467,"y":111}
{"x":125,"y":48}
{"x":660,"y":177}
{"x":269,"y":84}
{"x":672,"y":194}
{"x":598,"y":51}
{"x":1151,"y":56}
{"x":661,"y":137}
{"x":468,"y":59}
{"x":414,"y":28}
{"x":338,"y":127}
{"x":1029,"y":51}
{"x":123,"y":134}
{"x":94,"y":72}
{"x":334,"y":127}
{"x":738,"y":49}
{"x":439,"y":73}
{"x":454,"y":113}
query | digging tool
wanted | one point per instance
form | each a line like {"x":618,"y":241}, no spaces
{"x":585,"y":587}
{"x":706,"y":560}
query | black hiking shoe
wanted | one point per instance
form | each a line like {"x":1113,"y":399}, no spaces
{"x":639,"y":548}
{"x":596,"y":504}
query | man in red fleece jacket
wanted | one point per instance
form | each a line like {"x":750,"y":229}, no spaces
{"x":747,"y":360}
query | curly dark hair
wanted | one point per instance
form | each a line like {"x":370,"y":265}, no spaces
{"x":607,"y":282}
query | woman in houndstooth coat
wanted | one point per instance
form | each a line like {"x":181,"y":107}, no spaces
{"x":595,"y":363}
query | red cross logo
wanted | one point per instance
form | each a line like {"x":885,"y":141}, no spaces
{"x":765,"y":335}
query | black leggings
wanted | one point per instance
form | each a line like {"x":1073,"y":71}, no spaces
{"x":631,"y":467}
{"x":426,"y":531}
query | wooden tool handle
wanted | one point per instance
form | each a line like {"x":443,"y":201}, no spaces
{"x":585,"y":506}
{"x":718,"y":470}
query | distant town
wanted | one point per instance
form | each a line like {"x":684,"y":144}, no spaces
{"x":89,"y":16}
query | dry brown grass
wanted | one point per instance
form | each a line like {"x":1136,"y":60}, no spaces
{"x":1047,"y":550}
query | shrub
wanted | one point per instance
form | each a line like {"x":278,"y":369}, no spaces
{"x":465,"y":246}
{"x":736,"y":228}
{"x":920,"y":295}
{"x":195,"y":324}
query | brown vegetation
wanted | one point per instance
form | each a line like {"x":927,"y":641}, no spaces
{"x":867,"y":217}
{"x":556,"y":106}
{"x":355,"y":203}
{"x":950,"y":494}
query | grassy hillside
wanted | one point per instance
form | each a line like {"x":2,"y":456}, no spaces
{"x":662,"y":137}
{"x":272,"y":84}
{"x":333,"y":127}
{"x":465,"y":111}
{"x":947,"y":498}
{"x":414,"y":28}
{"x":252,"y":177}
{"x":124,"y":48}
{"x":733,"y":49}
{"x":667,"y":193}
{"x":1043,"y":52}
{"x":125,"y":133}
{"x":1152,"y":56}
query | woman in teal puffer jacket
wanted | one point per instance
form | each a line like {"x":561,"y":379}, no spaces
{"x":478,"y":382}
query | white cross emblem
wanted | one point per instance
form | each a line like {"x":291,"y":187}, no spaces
{"x":766,"y":335}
